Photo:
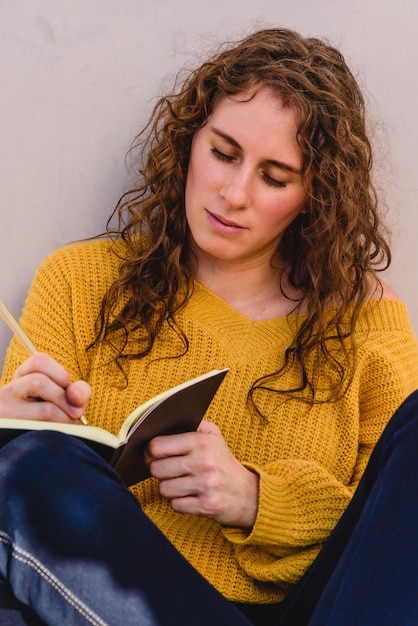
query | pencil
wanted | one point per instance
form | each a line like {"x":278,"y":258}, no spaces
{"x":14,"y":326}
{"x":16,"y":329}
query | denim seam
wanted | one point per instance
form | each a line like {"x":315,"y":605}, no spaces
{"x":67,"y":595}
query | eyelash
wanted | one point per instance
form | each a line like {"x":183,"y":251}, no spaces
{"x":272,"y":182}
{"x":226,"y":158}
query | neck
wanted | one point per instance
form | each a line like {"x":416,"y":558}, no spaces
{"x":253,"y":291}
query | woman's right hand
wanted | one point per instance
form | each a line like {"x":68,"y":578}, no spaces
{"x":42,"y":390}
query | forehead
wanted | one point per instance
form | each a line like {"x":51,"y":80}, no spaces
{"x":267,"y":106}
{"x":260,"y":121}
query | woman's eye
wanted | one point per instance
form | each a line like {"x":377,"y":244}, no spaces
{"x":228,"y":158}
{"x":221,"y":156}
{"x":273,"y":182}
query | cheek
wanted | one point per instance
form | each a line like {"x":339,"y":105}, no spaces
{"x":287,"y":209}
{"x":202,"y":177}
{"x":192,"y":176}
{"x":297,"y":203}
{"x":194,"y":192}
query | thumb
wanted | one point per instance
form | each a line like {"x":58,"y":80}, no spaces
{"x":78,"y":393}
{"x":208,"y":428}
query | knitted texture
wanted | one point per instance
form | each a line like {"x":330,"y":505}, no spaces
{"x":309,"y":457}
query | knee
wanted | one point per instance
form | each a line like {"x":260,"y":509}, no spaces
{"x":49,"y":480}
{"x":29,"y":451}
{"x":36,"y":452}
{"x":37,"y":464}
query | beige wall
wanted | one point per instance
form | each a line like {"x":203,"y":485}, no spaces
{"x":79,"y":76}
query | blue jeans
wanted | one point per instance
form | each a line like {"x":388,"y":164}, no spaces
{"x":75,"y":547}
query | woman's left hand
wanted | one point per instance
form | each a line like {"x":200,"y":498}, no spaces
{"x":199,"y":475}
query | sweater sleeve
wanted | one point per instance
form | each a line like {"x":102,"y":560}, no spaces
{"x":300,"y":501}
{"x":59,"y":315}
{"x":46,"y":320}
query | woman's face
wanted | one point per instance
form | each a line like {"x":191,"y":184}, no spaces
{"x":244,"y":183}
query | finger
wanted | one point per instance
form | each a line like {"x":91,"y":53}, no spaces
{"x":24,"y":391}
{"x":40,"y":411}
{"x":16,"y":407}
{"x":208,"y":428}
{"x":170,"y":445}
{"x":170,"y":467}
{"x":45,"y":364}
{"x":188,"y":504}
{"x":78,"y":393}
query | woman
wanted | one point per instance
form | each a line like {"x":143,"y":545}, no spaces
{"x":251,"y":240}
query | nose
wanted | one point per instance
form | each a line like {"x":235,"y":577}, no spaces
{"x":236,"y":190}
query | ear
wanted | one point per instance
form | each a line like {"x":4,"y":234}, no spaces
{"x":305,"y":209}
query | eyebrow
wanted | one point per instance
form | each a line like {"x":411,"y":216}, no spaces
{"x":234,"y":142}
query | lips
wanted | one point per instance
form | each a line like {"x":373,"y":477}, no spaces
{"x":221,"y":222}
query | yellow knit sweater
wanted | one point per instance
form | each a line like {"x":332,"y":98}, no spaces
{"x":309,"y":458}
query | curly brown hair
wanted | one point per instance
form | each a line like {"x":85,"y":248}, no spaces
{"x":330,"y":251}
